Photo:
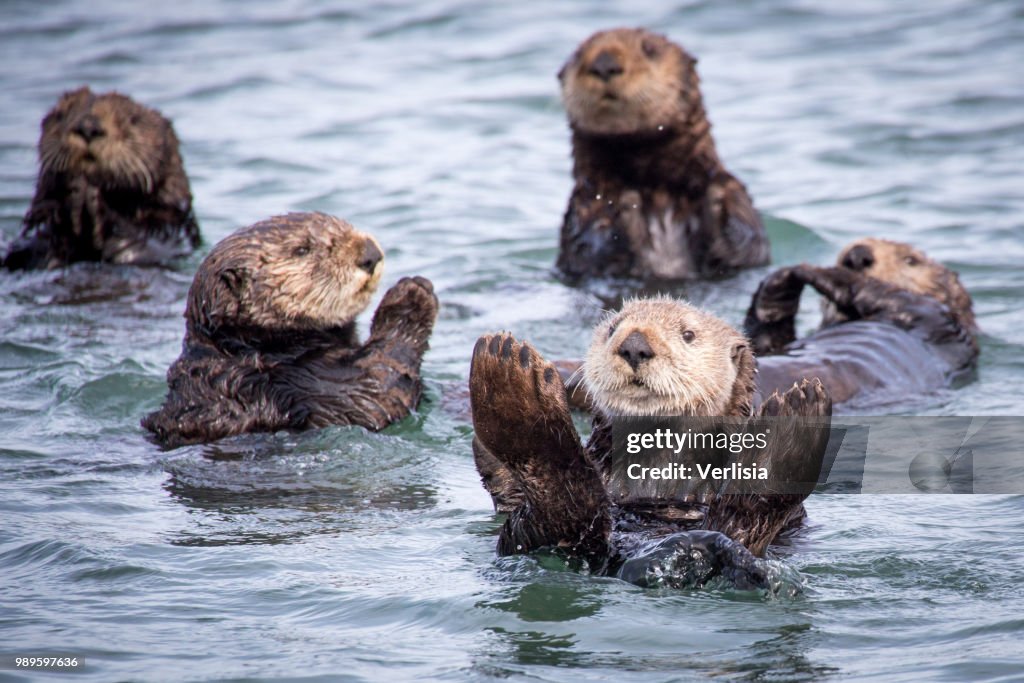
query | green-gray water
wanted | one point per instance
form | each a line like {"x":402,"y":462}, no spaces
{"x":436,"y":125}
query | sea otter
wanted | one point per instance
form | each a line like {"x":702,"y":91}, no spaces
{"x":270,"y":339}
{"x":652,"y":200}
{"x":896,"y":324}
{"x":111,"y":187}
{"x":654,"y":357}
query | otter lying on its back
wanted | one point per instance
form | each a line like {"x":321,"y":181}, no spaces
{"x":270,"y":338}
{"x":651,"y":199}
{"x":655,"y":357}
{"x":111,"y":187}
{"x":896,"y":324}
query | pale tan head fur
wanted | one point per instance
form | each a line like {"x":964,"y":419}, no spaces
{"x":113,"y":141}
{"x":663,"y":356}
{"x":902,"y":265}
{"x":629,"y":81}
{"x":294,"y":272}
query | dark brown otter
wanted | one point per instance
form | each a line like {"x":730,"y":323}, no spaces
{"x":270,"y":339}
{"x":111,"y":187}
{"x":652,"y":199}
{"x":655,"y":357}
{"x":897,"y":324}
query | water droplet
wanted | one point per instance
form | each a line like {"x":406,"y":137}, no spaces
{"x":519,"y":547}
{"x":597,"y":197}
{"x":661,"y":127}
{"x":634,"y":206}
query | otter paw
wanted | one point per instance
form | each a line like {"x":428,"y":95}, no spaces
{"x":517,"y":397}
{"x":505,"y":367}
{"x":838,"y":285}
{"x":809,"y":398}
{"x":778,"y":297}
{"x":410,"y":304}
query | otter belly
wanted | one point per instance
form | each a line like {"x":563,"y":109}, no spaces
{"x":669,"y":254}
{"x":860,"y":363}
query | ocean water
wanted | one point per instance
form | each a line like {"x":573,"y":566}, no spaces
{"x":343,"y":555}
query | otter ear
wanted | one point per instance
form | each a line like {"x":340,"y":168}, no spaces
{"x":737,"y":352}
{"x":216,"y":300}
{"x":233,"y":280}
{"x":741,"y":401}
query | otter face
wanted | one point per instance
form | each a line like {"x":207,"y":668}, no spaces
{"x":299,"y":271}
{"x":110,"y":139}
{"x":904,"y":266}
{"x":663,"y":357}
{"x":628,"y":81}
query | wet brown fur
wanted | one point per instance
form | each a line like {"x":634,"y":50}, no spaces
{"x":652,"y":200}
{"x":902,"y":265}
{"x":270,"y":340}
{"x":111,"y":187}
{"x":534,"y":465}
{"x":896,"y":325}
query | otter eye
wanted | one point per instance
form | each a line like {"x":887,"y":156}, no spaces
{"x":134,"y":119}
{"x":611,"y":330}
{"x":301,"y":251}
{"x":689,"y":336}
{"x":911,"y":261}
{"x":651,"y":49}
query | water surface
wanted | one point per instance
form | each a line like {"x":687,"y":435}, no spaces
{"x":436,"y":125}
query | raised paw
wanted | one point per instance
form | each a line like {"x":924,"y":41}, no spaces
{"x":796,"y":448}
{"x":808,"y":398}
{"x":518,"y":400}
{"x":770,"y":323}
{"x":837,"y":285}
{"x":778,"y":296}
{"x":409,"y":306}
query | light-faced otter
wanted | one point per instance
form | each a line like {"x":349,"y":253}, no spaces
{"x":651,"y":200}
{"x":654,"y":357}
{"x":896,"y":324}
{"x":270,"y":339}
{"x":111,"y":187}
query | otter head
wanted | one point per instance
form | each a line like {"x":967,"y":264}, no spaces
{"x":664,"y":357}
{"x":111,"y":140}
{"x":904,"y":266}
{"x":629,"y":81}
{"x":302,"y":271}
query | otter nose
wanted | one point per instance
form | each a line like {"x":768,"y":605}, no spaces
{"x":605,"y":66}
{"x":635,"y":350}
{"x":89,"y":127}
{"x":859,"y":258}
{"x":370,"y":257}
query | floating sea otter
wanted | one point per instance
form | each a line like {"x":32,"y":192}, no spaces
{"x":111,"y":187}
{"x":897,"y":324}
{"x":651,"y":199}
{"x":270,"y":338}
{"x":655,"y":357}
